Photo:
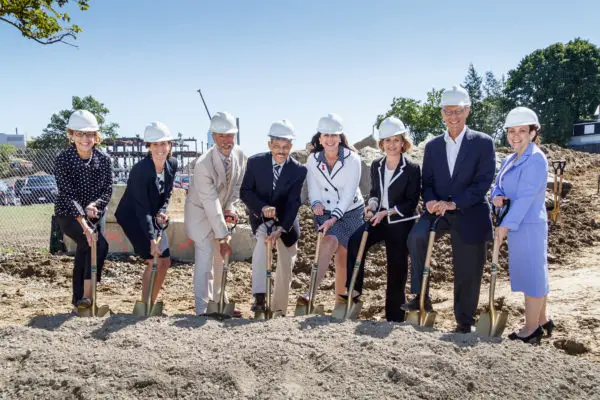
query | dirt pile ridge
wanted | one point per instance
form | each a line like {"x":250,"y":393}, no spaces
{"x":292,"y":358}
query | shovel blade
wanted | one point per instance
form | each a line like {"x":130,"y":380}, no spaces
{"x":302,"y":309}
{"x":103,"y":311}
{"x":139,"y":308}
{"x":212,"y":310}
{"x":500,"y":324}
{"x":157,"y":309}
{"x":484,"y":325}
{"x":417,"y":318}
{"x":339,"y":311}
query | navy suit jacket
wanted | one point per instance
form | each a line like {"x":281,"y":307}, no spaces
{"x":467,"y":187}
{"x":141,"y":201}
{"x":257,"y":191}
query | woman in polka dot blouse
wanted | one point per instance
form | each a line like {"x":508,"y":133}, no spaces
{"x":145,"y":202}
{"x":84,"y":178}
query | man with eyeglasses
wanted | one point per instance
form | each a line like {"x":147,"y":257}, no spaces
{"x":271,"y":190}
{"x":458,"y":169}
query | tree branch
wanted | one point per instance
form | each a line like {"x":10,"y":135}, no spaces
{"x":49,"y":41}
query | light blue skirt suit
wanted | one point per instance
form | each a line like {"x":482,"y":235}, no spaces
{"x":523,"y":181}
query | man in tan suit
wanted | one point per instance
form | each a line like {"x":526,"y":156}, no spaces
{"x":214,"y":188}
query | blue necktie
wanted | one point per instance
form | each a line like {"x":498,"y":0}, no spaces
{"x":275,"y":175}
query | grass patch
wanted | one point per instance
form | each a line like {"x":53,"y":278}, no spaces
{"x":25,"y":227}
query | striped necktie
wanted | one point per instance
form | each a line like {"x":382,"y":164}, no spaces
{"x":275,"y":174}
{"x":228,"y":169}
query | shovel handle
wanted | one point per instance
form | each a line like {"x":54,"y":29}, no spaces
{"x":361,"y":250}
{"x":94,"y":270}
{"x":313,"y":273}
{"x":500,"y":212}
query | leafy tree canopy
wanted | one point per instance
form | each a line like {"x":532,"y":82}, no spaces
{"x":55,"y":134}
{"x":42,"y":20}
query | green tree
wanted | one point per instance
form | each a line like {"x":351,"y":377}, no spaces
{"x":494,"y":105}
{"x":420,"y":118}
{"x":6,"y":151}
{"x":473,"y":85}
{"x":55,"y":134}
{"x":561,"y":83}
{"x":42,"y":20}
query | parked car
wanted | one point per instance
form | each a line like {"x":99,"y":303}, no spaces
{"x":39,"y":189}
{"x":19,"y":183}
{"x":182,"y":181}
{"x":7,"y":195}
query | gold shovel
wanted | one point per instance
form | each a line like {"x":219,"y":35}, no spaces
{"x":267,"y":314}
{"x":221,"y":310}
{"x":559,"y":168}
{"x":94,"y":310}
{"x":422,"y":317}
{"x":147,"y":308}
{"x":492,"y":323}
{"x":303,"y":307}
{"x":351,"y":309}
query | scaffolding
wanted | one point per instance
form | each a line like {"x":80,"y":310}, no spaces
{"x":127,"y":151}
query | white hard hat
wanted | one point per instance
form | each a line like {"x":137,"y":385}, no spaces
{"x":331,"y":124}
{"x":391,"y":126}
{"x":456,"y":96}
{"x":223,"y":122}
{"x":521,"y":116}
{"x":282,"y":130}
{"x":157,"y":132}
{"x":83,"y":120}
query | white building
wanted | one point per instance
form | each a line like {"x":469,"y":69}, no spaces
{"x":16,"y":140}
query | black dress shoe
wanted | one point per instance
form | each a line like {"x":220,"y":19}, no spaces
{"x":534,"y":338}
{"x":413,"y":305}
{"x":460,"y":328}
{"x":548,"y":327}
{"x":259,"y":303}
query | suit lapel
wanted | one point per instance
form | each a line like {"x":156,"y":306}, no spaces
{"x":399,"y":170}
{"x":219,"y":166}
{"x":381,"y":171}
{"x":444,"y":159}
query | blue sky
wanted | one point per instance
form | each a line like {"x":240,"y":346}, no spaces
{"x":268,"y":60}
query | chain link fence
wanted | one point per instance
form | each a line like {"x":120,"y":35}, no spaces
{"x":28,"y":191}
{"x":27,"y":194}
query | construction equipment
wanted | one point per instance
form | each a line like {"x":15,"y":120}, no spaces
{"x":148,"y":308}
{"x":559,"y":169}
{"x":422,"y":317}
{"x":492,"y":323}
{"x":304,"y":307}
{"x":351,"y":309}
{"x":221,"y":310}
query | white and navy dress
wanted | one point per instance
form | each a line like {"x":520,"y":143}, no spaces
{"x":337,"y":190}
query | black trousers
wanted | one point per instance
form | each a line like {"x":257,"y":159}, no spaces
{"x":394,"y":236}
{"x":468,"y":260}
{"x":83,"y":254}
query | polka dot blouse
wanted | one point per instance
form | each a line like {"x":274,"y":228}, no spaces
{"x":82,"y":181}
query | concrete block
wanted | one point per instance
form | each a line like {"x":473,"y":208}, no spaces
{"x":175,"y":209}
{"x":182,"y":248}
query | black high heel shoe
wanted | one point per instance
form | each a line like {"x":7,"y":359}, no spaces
{"x":548,"y":327}
{"x":534,"y":338}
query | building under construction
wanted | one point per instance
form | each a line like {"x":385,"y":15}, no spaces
{"x":125,"y":152}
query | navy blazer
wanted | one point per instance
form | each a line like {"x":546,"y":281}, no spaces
{"x":257,"y":191}
{"x":141,"y":201}
{"x":404,"y":189}
{"x":467,"y":187}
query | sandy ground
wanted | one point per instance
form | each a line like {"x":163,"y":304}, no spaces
{"x":46,"y":352}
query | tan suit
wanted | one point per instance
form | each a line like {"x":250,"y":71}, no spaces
{"x":208,"y":196}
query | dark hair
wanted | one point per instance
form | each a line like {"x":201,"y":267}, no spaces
{"x":537,"y":139}
{"x":317,"y":146}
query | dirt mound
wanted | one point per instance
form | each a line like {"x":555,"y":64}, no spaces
{"x":291,"y":358}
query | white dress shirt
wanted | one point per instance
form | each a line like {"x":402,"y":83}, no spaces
{"x":387,"y":177}
{"x":452,"y":148}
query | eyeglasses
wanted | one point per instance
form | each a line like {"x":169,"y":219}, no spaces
{"x":450,"y":113}
{"x":80,"y":134}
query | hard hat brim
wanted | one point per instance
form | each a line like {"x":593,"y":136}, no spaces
{"x":85,"y":129}
{"x":526,"y":123}
{"x":232,"y":131}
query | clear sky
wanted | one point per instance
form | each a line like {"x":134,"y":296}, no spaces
{"x":269,"y":60}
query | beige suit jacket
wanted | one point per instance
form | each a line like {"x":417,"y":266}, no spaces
{"x":209,"y":195}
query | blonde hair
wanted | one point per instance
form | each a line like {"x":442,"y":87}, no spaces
{"x":97,"y":136}
{"x":406,"y":143}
